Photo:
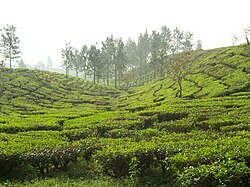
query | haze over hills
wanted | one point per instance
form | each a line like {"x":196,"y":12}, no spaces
{"x":52,"y":125}
{"x":124,"y":19}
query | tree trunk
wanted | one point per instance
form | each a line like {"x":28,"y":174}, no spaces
{"x":145,"y":69}
{"x":247,"y":40}
{"x":119,"y":79}
{"x":140,"y":69}
{"x":161,"y":69}
{"x":94,"y":75}
{"x":180,"y":88}
{"x":10,"y":58}
{"x":85,"y":75}
{"x":162,"y":66}
{"x":76,"y":73}
{"x":115,"y":78}
{"x":154,"y":70}
{"x":133,"y":74}
{"x":66,"y":71}
{"x":103,"y":79}
{"x":107,"y":78}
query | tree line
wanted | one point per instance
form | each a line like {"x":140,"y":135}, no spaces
{"x":129,"y":61}
{"x":108,"y":62}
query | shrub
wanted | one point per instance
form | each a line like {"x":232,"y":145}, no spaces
{"x":224,"y":173}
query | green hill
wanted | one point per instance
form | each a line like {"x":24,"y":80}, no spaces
{"x":93,"y":135}
{"x":214,"y":73}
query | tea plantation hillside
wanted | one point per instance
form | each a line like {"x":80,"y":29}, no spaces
{"x":67,"y":132}
{"x":214,"y":73}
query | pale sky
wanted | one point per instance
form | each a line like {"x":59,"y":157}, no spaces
{"x":43,"y":26}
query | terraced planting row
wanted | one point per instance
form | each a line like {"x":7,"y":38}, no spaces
{"x":146,"y":135}
{"x":213,"y":75}
{"x":173,"y":139}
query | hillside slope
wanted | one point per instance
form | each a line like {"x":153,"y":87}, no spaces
{"x":34,"y":90}
{"x":143,"y":137}
{"x":214,"y":73}
{"x":37,"y":100}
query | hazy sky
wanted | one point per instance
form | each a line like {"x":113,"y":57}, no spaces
{"x":43,"y":26}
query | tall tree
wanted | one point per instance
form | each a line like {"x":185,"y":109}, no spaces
{"x":165,"y":48}
{"x":143,"y":50}
{"x":108,"y":54}
{"x":234,"y":39}
{"x":41,"y":66}
{"x":155,"y":41}
{"x":187,"y":41}
{"x":119,"y":61}
{"x":21,"y":64}
{"x":83,"y":58}
{"x":67,"y":56}
{"x":10,"y":44}
{"x":100,"y":73}
{"x":247,"y":31}
{"x":199,"y":45}
{"x":160,"y":46}
{"x":76,"y":61}
{"x":94,"y":55}
{"x":1,"y":60}
{"x":49,"y":63}
{"x":177,"y":41}
{"x":132,"y":59}
{"x":130,"y":50}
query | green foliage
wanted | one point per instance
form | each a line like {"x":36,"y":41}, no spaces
{"x":221,"y":173}
{"x":26,"y":148}
{"x":134,"y":172}
{"x":141,"y":136}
